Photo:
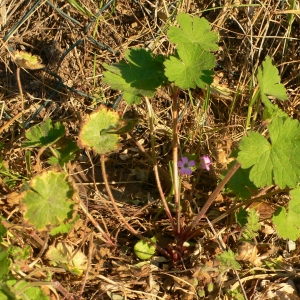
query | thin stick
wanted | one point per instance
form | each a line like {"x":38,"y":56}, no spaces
{"x":16,"y":117}
{"x":22,"y":98}
{"x":175,"y":95}
{"x":90,"y":254}
{"x":106,"y":238}
{"x":155,"y":167}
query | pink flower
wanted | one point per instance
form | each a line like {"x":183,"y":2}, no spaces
{"x":206,"y":162}
{"x":185,"y":165}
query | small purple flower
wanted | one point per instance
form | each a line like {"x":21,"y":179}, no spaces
{"x":206,"y":162}
{"x":185,"y":165}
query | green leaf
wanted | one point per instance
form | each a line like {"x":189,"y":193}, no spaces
{"x":6,"y":292}
{"x":64,"y":227}
{"x":144,"y":250}
{"x":227,"y":260}
{"x":193,"y":30}
{"x":65,"y":256}
{"x":49,"y":202}
{"x":253,"y":220}
{"x":252,"y":225}
{"x":65,"y":154}
{"x":19,"y":253}
{"x":287,"y":223}
{"x":240,"y":184}
{"x":141,"y":76}
{"x":44,"y":134}
{"x":277,"y":160}
{"x":26,"y":291}
{"x":241,"y":216}
{"x":5,"y":263}
{"x":271,"y":113}
{"x":80,"y":8}
{"x":3,"y":230}
{"x":192,"y":69}
{"x":235,"y":295}
{"x":93,"y":134}
{"x":269,"y":83}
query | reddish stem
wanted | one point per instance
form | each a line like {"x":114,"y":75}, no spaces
{"x":188,"y":232}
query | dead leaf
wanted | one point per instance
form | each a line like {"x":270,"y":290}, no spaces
{"x":248,"y":251}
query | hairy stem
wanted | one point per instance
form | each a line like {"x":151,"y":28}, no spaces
{"x":188,"y":231}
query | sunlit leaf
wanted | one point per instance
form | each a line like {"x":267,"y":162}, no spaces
{"x":144,"y":250}
{"x":97,"y":131}
{"x":274,"y":160}
{"x":192,"y":68}
{"x":287,"y":222}
{"x":44,"y":134}
{"x":49,"y":201}
{"x":193,"y":30}
{"x":140,"y":76}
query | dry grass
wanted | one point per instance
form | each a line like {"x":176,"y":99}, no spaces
{"x":71,"y":87}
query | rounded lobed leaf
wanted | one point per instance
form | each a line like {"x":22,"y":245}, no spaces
{"x":144,"y":250}
{"x":97,"y":132}
{"x":140,"y":76}
{"x":275,"y":161}
{"x":49,"y":201}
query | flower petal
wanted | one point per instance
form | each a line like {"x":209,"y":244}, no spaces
{"x":206,"y":162}
{"x":191,"y":163}
{"x":182,"y":171}
{"x":188,"y":171}
{"x":180,"y":164}
{"x":184,"y":159}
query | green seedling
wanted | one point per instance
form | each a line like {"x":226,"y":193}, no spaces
{"x":228,"y":261}
{"x":265,"y":160}
{"x":46,"y":135}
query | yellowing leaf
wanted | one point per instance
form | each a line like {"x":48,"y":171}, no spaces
{"x":27,"y":60}
{"x":63,"y":255}
{"x":97,"y":132}
{"x":49,"y":200}
{"x":144,"y":250}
